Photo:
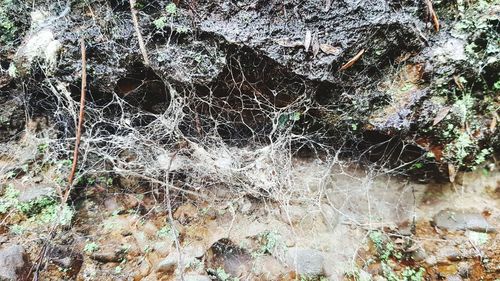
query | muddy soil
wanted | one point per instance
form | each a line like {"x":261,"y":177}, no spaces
{"x":368,"y":226}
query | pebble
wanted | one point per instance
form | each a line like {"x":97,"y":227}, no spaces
{"x":454,"y":278}
{"x":268,"y":267}
{"x":462,"y":220}
{"x":13,"y":263}
{"x":305,"y":261}
{"x":196,"y":277}
{"x":107,"y":256}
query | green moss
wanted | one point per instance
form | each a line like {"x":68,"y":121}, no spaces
{"x":9,"y":199}
{"x":8,"y":27}
{"x":39,"y":211}
{"x":91,"y":247}
{"x":36,"y":206}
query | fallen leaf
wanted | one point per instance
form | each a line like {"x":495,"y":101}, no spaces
{"x":493,"y":124}
{"x":441,"y":115}
{"x":288,"y":43}
{"x":329,"y":49}
{"x":328,"y":4}
{"x":452,"y":173}
{"x":438,"y":152}
{"x":315,"y":44}
{"x":402,"y":58}
{"x":399,"y":241}
{"x":413,"y":248}
{"x":459,"y":84}
{"x":433,"y":15}
{"x":307,"y":40}
{"x":353,"y":60}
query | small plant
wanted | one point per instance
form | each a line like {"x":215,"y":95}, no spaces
{"x":222,"y":275}
{"x":269,"y":241}
{"x":91,"y":247}
{"x":118,"y":270}
{"x":167,"y":232}
{"x":389,"y":273}
{"x":9,"y":199}
{"x":195,"y":265}
{"x":171,"y":9}
{"x":161,"y":22}
{"x":8,"y":28}
{"x":385,"y":248}
{"x":182,"y":30}
{"x":42,"y":147}
{"x":410,"y":274}
{"x":17,"y":229}
{"x":288,"y":118}
{"x":417,"y":166}
{"x":36,"y":206}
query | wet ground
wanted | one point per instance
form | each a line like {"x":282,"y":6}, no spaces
{"x":350,"y":224}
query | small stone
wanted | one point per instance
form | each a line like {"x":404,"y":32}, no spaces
{"x":169,"y":263}
{"x":462,"y":220}
{"x":330,"y":216}
{"x":185,"y":213}
{"x":196,"y":277}
{"x":141,"y":240}
{"x":142,"y":271}
{"x":464,"y":269}
{"x":211,"y":214}
{"x":37,"y":179}
{"x":454,"y":278}
{"x":431,"y":260}
{"x":163,"y":248}
{"x":305,"y":261}
{"x":196,"y":250}
{"x":245,"y":206}
{"x":419,"y":255}
{"x":111,"y":204}
{"x":450,"y":253}
{"x":33,"y":192}
{"x":292,"y":214}
{"x":107,"y":256}
{"x":13,"y":263}
{"x":65,"y":262}
{"x":290,"y":242}
{"x":268,"y":267}
{"x":150,"y":229}
{"x":405,"y":228}
{"x":129,"y":202}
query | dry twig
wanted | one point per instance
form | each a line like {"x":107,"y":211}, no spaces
{"x":80,"y":122}
{"x":433,"y":15}
{"x":353,"y":60}
{"x":142,"y":46}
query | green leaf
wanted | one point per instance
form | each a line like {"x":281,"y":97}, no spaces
{"x":295,"y":116}
{"x":171,"y":9}
{"x":160,"y":23}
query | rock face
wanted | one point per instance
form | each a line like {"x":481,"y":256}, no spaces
{"x":462,"y":220}
{"x":13,"y":263}
{"x":241,"y":64}
{"x":307,"y":262}
{"x":33,"y":192}
{"x":12,"y":115}
{"x":298,"y":36}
